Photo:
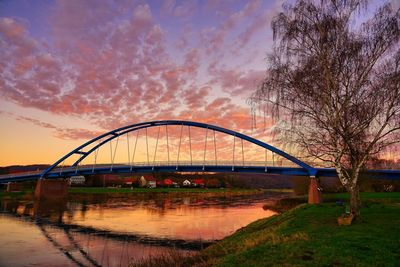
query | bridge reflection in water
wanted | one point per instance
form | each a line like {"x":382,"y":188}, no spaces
{"x":96,"y":232}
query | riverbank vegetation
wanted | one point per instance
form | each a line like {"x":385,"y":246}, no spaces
{"x":110,"y":192}
{"x":309,"y":235}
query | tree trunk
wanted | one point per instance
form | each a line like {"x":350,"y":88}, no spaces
{"x":355,"y":201}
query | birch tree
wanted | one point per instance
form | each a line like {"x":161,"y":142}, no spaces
{"x":333,"y":75}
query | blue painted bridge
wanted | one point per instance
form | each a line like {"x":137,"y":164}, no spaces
{"x":91,"y":148}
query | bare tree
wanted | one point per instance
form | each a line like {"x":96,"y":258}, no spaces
{"x":333,"y":75}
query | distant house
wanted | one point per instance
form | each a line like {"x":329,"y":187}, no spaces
{"x":130,"y":181}
{"x":186,"y":183}
{"x":142,"y":181}
{"x":167,"y":182}
{"x":151,"y":182}
{"x":77,"y":180}
{"x":198,"y":182}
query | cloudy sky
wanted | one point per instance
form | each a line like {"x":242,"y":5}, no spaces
{"x":73,"y":69}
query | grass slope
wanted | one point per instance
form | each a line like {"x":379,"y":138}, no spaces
{"x":309,"y":236}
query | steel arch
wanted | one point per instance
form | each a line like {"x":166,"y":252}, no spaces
{"x":134,"y":127}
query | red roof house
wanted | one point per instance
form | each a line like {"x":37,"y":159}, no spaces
{"x":167,"y":182}
{"x":198,"y":182}
{"x":130,"y":181}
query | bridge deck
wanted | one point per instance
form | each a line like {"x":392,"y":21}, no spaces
{"x":143,"y":168}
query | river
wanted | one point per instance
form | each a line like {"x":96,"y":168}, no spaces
{"x":101,"y":231}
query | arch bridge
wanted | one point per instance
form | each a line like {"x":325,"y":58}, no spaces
{"x":80,"y":165}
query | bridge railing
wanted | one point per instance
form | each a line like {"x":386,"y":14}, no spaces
{"x":18,"y":174}
{"x":76,"y":169}
{"x":70,"y":170}
{"x":175,"y":163}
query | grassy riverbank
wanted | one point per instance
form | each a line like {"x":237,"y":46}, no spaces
{"x":309,"y":235}
{"x":126,"y":192}
{"x":16,"y":195}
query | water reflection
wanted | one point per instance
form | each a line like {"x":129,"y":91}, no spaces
{"x":95,"y":231}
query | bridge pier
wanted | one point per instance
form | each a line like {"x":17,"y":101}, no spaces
{"x":51,"y":189}
{"x":314,"y":191}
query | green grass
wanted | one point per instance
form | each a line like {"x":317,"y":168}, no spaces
{"x":105,"y":190}
{"x":309,"y":235}
{"x":391,"y":196}
{"x":16,"y":195}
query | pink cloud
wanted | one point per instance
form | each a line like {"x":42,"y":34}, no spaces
{"x":192,"y":59}
{"x":12,"y":29}
{"x":186,"y":36}
{"x":196,"y":98}
{"x":237,"y":82}
{"x":221,"y":8}
{"x":62,"y":133}
{"x":185,"y":9}
{"x":261,"y":22}
{"x":214,"y":38}
{"x":108,"y":61}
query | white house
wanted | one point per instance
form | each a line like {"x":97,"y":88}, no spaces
{"x":142,"y":181}
{"x":186,"y":183}
{"x":151,"y":184}
{"x":147,"y":181}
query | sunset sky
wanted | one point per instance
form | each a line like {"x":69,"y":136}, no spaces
{"x":73,"y":69}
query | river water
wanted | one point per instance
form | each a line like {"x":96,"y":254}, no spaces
{"x":100,"y":231}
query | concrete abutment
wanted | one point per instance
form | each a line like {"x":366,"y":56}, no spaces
{"x":51,"y":189}
{"x":314,"y":191}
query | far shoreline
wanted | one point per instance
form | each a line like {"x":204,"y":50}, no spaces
{"x":115,"y":192}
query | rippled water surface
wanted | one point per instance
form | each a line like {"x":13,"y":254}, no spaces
{"x":96,"y":231}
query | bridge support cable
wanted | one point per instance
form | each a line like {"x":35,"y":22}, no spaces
{"x":147,"y":148}
{"x":115,"y":152}
{"x":215,"y":149}
{"x":205,"y":150}
{"x":111,"y":153}
{"x":109,"y":136}
{"x":166,"y":133}
{"x":233,"y":153}
{"x":273,"y":160}
{"x":179,"y":147}
{"x":190,"y":147}
{"x":242,"y":153}
{"x":134,"y":150}
{"x":129,"y":153}
{"x":155,"y":150}
{"x":266,"y":152}
{"x":95,"y":158}
{"x":62,"y":166}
